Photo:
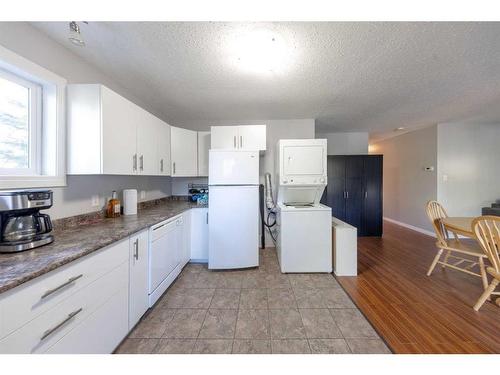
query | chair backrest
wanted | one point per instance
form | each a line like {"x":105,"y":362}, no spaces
{"x":436,"y":212}
{"x":487,"y":230}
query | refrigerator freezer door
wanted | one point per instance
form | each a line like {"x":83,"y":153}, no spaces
{"x":227,"y":167}
{"x":233,"y":227}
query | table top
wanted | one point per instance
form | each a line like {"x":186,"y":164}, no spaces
{"x":460,"y":225}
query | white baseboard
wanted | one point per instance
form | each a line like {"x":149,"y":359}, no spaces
{"x":417,"y":229}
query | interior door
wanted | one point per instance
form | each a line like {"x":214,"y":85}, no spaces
{"x":224,"y":137}
{"x":119,"y":131}
{"x":372,"y":202}
{"x":354,"y":190}
{"x":184,"y":152}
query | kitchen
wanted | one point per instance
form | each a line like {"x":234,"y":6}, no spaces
{"x":181,"y":208}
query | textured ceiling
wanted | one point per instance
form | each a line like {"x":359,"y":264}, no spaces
{"x":349,"y":76}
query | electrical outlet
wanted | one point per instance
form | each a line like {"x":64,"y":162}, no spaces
{"x":143,"y":194}
{"x":95,"y":201}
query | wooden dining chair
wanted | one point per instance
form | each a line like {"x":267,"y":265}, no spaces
{"x":487,"y":230}
{"x":459,"y":255}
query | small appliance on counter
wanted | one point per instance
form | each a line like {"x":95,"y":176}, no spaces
{"x":130,"y":202}
{"x":22,"y":226}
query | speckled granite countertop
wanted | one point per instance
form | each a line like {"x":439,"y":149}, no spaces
{"x":73,"y":243}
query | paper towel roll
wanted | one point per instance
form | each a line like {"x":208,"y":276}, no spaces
{"x":130,"y":202}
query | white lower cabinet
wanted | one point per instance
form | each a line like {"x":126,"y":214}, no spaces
{"x":90,"y":305}
{"x":138,"y":280}
{"x":101,"y":332}
{"x":185,"y":236}
{"x":199,"y":234}
{"x":47,"y":329}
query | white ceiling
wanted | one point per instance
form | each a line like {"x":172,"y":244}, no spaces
{"x":349,"y":76}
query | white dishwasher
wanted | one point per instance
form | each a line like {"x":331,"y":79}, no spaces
{"x":164,"y":257}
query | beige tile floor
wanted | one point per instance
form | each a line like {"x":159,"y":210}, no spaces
{"x":253,"y":311}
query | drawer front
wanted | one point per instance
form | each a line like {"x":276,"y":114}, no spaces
{"x":45,"y":330}
{"x":101,"y":332}
{"x":26,"y":302}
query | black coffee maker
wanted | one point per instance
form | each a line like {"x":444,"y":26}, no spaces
{"x":22,"y":226}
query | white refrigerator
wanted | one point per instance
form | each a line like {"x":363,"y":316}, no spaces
{"x":233,"y":209}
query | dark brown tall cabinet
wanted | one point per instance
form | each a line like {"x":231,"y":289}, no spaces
{"x":354,"y":191}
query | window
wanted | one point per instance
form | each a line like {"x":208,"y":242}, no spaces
{"x":32,"y":124}
{"x":20,"y":125}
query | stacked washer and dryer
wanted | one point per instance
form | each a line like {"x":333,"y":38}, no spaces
{"x":303,"y":230}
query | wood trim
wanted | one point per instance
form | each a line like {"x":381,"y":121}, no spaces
{"x":417,"y":229}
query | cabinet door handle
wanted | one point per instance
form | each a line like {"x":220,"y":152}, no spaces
{"x":174,"y":167}
{"x":70,"y":316}
{"x":207,"y":217}
{"x":136,"y":249}
{"x":234,"y":141}
{"x":141,"y":162}
{"x":70,"y":281}
{"x":347,"y":195}
{"x":161,"y":165}
{"x":134,"y":162}
{"x":241,"y":141}
{"x":366,"y":194}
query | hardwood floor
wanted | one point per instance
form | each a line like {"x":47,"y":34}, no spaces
{"x":414,"y":313}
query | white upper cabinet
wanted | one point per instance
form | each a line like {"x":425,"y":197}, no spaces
{"x":163,"y":138}
{"x":108,"y":134}
{"x":203,"y":147}
{"x":252,"y":137}
{"x":147,"y":145}
{"x":242,"y":137}
{"x":184,"y":152}
{"x":224,"y":137}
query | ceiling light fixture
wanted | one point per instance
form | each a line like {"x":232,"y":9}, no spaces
{"x":399,"y":129}
{"x":75,"y":36}
{"x":260,"y":51}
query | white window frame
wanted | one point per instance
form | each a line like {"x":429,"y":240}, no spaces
{"x":34,"y":125}
{"x":51,"y":166}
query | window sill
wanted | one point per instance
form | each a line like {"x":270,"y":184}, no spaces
{"x":25,"y":182}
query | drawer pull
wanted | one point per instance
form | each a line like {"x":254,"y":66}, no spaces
{"x":53,"y":329}
{"x":70,"y":280}
{"x":136,"y":249}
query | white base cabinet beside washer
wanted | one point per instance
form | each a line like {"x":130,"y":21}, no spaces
{"x":304,"y":238}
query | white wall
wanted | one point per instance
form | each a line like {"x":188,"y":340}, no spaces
{"x":469,"y":158}
{"x":407,"y":186}
{"x":353,"y":143}
{"x":76,"y":198}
